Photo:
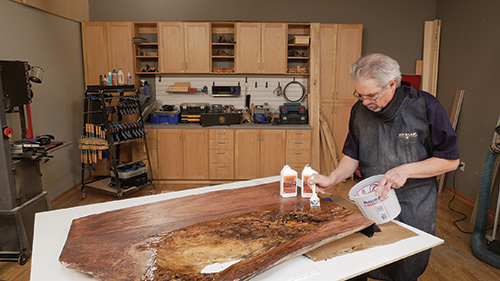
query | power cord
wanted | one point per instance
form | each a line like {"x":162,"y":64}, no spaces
{"x":464,"y":216}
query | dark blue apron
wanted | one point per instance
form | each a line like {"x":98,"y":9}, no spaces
{"x":397,"y":135}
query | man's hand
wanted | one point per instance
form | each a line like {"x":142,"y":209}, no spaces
{"x":394,"y":178}
{"x":430,"y":167}
{"x":322,"y":182}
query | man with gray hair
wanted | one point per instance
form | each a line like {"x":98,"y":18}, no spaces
{"x":404,"y":134}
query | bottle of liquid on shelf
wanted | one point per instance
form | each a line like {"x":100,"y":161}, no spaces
{"x":114,"y":78}
{"x":121,"y":77}
{"x":129,"y":79}
{"x":110,"y":79}
{"x":307,"y":172}
{"x":288,"y":183}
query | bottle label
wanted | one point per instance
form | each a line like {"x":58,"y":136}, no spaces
{"x":289,"y":184}
{"x":307,"y":187}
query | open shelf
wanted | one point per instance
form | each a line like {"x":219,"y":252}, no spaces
{"x":222,"y":47}
{"x":298,"y":52}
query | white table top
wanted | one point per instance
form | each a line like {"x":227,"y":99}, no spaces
{"x":52,"y":228}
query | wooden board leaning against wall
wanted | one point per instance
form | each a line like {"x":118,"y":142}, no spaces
{"x":332,"y":50}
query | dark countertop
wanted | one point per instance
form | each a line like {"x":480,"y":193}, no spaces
{"x":237,"y":126}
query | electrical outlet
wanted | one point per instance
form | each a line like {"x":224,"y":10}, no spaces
{"x":462,"y":166}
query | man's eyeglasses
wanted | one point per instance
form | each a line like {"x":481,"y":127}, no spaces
{"x":359,"y":97}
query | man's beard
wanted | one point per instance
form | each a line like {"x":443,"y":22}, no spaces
{"x":374,"y":108}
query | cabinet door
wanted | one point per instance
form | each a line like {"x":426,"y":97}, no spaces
{"x":171,"y":47}
{"x":248,"y":42}
{"x":120,"y":52}
{"x":272,"y":152}
{"x":246,"y":154}
{"x":327,"y":49}
{"x":274,"y":48}
{"x":95,"y":51}
{"x":349,"y":37}
{"x":169,"y":146}
{"x":195,"y":153}
{"x":197,"y":47}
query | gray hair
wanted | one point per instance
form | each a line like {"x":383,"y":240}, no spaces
{"x":377,"y":66}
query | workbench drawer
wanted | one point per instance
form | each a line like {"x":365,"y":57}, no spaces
{"x":298,"y":143}
{"x":298,"y":156}
{"x":221,"y":144}
{"x":298,"y":134}
{"x":221,"y":134}
{"x":298,"y":167}
{"x":221,"y":171}
{"x":221,"y":156}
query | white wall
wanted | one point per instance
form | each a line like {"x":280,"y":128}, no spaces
{"x":257,"y":90}
{"x":53,"y":43}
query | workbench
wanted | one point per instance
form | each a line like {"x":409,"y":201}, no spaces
{"x":52,"y":227}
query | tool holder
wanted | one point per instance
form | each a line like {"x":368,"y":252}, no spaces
{"x":104,"y":131}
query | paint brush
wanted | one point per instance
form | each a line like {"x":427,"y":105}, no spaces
{"x":314,"y":201}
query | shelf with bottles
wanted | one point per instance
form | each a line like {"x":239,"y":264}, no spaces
{"x":145,"y":43}
{"x":222,"y":47}
{"x":298,"y":50}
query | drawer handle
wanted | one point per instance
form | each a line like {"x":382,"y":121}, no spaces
{"x":221,"y":153}
{"x":223,"y":166}
{"x":221,"y":142}
{"x":298,"y":153}
{"x":298,"y":142}
{"x":221,"y":133}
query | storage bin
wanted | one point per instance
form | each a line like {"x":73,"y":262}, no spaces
{"x":301,"y":40}
{"x":164,"y":117}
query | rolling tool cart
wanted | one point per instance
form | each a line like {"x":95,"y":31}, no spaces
{"x":112,"y":117}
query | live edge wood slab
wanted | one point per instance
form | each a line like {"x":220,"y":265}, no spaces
{"x":124,"y":244}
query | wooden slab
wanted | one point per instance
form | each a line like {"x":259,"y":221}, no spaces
{"x":103,"y":245}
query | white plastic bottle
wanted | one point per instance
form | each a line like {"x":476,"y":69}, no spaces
{"x":121,"y":77}
{"x":306,"y":190}
{"x":288,"y":183}
{"x":129,"y":79}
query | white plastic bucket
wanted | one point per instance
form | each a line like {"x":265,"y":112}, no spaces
{"x":363,"y":194}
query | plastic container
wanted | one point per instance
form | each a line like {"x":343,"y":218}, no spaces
{"x":363,"y":194}
{"x":129,"y":79}
{"x":160,"y":117}
{"x":121,"y":77}
{"x":306,"y":190}
{"x":288,"y":182}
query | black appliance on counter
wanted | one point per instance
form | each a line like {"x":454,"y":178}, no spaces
{"x":220,"y":119}
{"x":293,"y":113}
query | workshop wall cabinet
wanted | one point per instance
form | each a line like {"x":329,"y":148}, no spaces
{"x":182,"y":154}
{"x":298,"y":149}
{"x":340,"y":47}
{"x":261,"y":47}
{"x":106,"y":46}
{"x":229,"y":154}
{"x":222,"y":47}
{"x":146,"y":48}
{"x":258,"y":153}
{"x":184,"y":47}
{"x":221,"y":154}
{"x":298,"y":48}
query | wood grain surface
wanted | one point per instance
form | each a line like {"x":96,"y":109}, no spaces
{"x":103,"y":245}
